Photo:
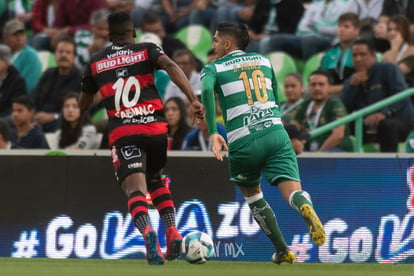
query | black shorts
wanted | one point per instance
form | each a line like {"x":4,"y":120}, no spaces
{"x":139,"y":154}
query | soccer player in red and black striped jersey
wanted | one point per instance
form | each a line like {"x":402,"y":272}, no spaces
{"x":123,"y":74}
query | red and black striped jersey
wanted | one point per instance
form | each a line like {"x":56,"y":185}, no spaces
{"x":124,"y":77}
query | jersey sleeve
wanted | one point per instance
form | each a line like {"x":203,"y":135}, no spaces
{"x":207,"y":96}
{"x":154,"y":52}
{"x":274,"y":86}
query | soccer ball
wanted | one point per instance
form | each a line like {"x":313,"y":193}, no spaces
{"x":197,"y":247}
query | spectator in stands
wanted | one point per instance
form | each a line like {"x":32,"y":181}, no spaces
{"x":402,"y":51}
{"x":186,"y":60}
{"x":176,"y":13}
{"x":368,"y":12}
{"x":178,"y":127}
{"x":143,"y":6}
{"x":338,"y":59}
{"x":24,"y":57}
{"x":76,"y":130}
{"x":365,"y":9}
{"x":320,"y":110}
{"x":202,"y":13}
{"x":55,"y":83}
{"x":21,"y":10}
{"x":43,"y":19}
{"x":5,"y":142}
{"x":91,"y":41}
{"x":74,"y":15}
{"x":393,"y":7}
{"x":374,"y":81}
{"x":294,"y":90}
{"x":274,"y":16}
{"x":235,"y":11}
{"x":26,"y":134}
{"x":151,"y":23}
{"x":120,"y":5}
{"x":298,"y":138}
{"x":199,"y":139}
{"x":12,"y":83}
{"x":315,"y":33}
{"x":380,"y":38}
{"x":4,"y":16}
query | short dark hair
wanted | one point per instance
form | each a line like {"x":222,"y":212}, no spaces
{"x":185,"y":52}
{"x":66,"y":39}
{"x":149,"y":18}
{"x":362,"y":41}
{"x":351,"y":17}
{"x":237,"y":31}
{"x":322,"y":73}
{"x":25,"y":100}
{"x":120,"y":24}
{"x":4,"y":130}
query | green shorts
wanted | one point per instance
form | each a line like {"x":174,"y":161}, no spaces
{"x":271,"y":154}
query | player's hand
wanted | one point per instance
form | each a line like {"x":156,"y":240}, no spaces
{"x":217,"y":145}
{"x":198,"y":111}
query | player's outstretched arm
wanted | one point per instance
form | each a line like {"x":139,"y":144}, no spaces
{"x":217,"y":145}
{"x":179,"y":78}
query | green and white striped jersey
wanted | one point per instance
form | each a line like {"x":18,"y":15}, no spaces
{"x":246,"y":87}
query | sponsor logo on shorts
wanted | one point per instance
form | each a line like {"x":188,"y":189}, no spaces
{"x":130,"y":152}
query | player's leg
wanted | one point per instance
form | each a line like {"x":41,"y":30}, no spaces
{"x":301,"y":201}
{"x":133,"y":182}
{"x":246,"y":174}
{"x":265,"y":217}
{"x":162,"y":200}
{"x":282,"y":170}
{"x":161,"y":195}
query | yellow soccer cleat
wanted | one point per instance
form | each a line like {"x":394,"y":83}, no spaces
{"x":315,"y":226}
{"x":286,"y":256}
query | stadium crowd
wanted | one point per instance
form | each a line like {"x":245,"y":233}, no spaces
{"x":344,"y":55}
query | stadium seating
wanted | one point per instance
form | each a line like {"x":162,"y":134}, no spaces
{"x":198,"y":39}
{"x":137,"y":34}
{"x":311,"y":65}
{"x":283,"y":64}
{"x":47,"y":59}
{"x":52,"y":137}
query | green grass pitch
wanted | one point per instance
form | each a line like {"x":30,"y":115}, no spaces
{"x":78,"y":267}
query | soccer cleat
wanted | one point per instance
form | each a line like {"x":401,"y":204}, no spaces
{"x":315,"y":226}
{"x":154,"y":254}
{"x":174,"y":240}
{"x":286,"y":256}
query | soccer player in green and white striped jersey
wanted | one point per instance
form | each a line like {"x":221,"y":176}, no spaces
{"x":258,"y":143}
